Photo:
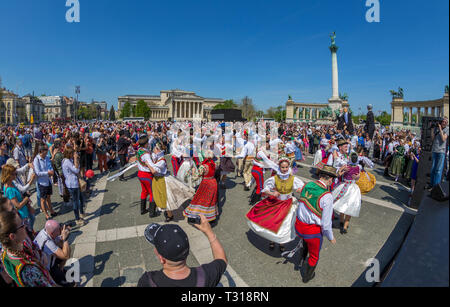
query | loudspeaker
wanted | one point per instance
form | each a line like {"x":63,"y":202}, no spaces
{"x":437,"y":193}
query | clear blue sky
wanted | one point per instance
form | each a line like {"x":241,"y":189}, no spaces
{"x":226,"y":49}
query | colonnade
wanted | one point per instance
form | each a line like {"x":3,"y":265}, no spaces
{"x":410,"y":113}
{"x":186,"y":109}
{"x":159,"y":114}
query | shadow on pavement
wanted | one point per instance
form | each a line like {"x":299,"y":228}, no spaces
{"x":103,"y":210}
{"x":263,"y":245}
{"x":394,"y":195}
{"x":100,"y":261}
{"x":389,"y":249}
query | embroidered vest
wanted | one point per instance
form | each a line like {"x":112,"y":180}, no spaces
{"x":14,"y":267}
{"x":311,"y":194}
{"x":284,"y":186}
{"x":141,"y":152}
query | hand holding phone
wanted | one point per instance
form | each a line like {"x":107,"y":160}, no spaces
{"x":194,"y":220}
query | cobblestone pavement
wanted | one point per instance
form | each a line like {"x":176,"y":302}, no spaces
{"x":113,"y":252}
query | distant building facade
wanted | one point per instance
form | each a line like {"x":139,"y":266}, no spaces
{"x":34,"y":107}
{"x":12,"y":108}
{"x":176,"y":105}
{"x":55,"y":107}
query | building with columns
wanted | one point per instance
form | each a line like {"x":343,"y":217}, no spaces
{"x":308,"y":111}
{"x":408,"y":114}
{"x":175,"y":105}
{"x":13,"y":108}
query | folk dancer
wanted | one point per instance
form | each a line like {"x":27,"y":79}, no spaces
{"x":177,"y":153}
{"x":347,"y":195}
{"x":188,"y":172}
{"x":260,"y":164}
{"x":248,"y":154}
{"x":273,"y":218}
{"x":367,"y":181}
{"x":168,"y":192}
{"x":205,"y":199}
{"x":145,"y":176}
{"x":226,"y":165}
{"x":314,"y":219}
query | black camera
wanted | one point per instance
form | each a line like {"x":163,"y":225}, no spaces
{"x":434,"y":124}
{"x":194,"y":219}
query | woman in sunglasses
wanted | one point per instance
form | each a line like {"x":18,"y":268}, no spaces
{"x":24,"y":268}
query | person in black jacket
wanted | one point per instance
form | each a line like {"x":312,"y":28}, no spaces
{"x":171,"y":246}
{"x":345,"y":121}
{"x":370,"y":122}
{"x":122,"y":149}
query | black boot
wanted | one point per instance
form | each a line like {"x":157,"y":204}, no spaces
{"x":309,"y":273}
{"x":303,"y":254}
{"x":152,"y":209}
{"x":143,"y":206}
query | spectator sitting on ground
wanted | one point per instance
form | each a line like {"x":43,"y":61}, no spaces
{"x":172,"y":249}
{"x":53,"y":241}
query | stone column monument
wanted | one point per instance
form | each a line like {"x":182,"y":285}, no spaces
{"x":335,"y":102}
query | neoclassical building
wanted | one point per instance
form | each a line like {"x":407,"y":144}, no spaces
{"x":13,"y":107}
{"x":175,"y":105}
{"x":409,"y":113}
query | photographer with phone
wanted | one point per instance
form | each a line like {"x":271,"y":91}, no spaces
{"x":172,"y":249}
{"x":53,"y":241}
{"x":439,"y":135}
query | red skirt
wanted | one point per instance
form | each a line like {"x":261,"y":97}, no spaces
{"x":205,"y":200}
{"x":270,"y":213}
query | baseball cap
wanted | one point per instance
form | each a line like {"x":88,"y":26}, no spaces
{"x":170,"y":241}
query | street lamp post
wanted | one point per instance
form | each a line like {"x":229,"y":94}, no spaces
{"x":77,"y":91}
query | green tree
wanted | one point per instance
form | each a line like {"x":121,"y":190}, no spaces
{"x":126,"y":110}
{"x":142,"y":109}
{"x":227,"y":104}
{"x":112,"y":114}
{"x":278,"y":113}
{"x":384,"y":119}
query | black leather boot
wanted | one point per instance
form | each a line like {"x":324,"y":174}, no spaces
{"x":143,"y":206}
{"x":303,"y":254}
{"x":152,"y":209}
{"x":309,"y":273}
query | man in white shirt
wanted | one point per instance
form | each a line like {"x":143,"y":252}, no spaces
{"x":248,"y":154}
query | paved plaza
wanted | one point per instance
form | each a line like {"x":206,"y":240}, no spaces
{"x":113,"y":252}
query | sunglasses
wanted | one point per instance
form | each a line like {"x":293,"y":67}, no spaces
{"x":21,"y":226}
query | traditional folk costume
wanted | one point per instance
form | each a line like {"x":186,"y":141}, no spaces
{"x":177,"y":157}
{"x":226,"y":165}
{"x":205,"y":200}
{"x":26,"y":270}
{"x":367,"y":181}
{"x":188,"y":172}
{"x":398,"y":162}
{"x":347,"y":195}
{"x":145,"y":177}
{"x":289,"y":150}
{"x":314,"y":220}
{"x":248,"y":154}
{"x":169,"y":193}
{"x":273,"y":218}
{"x":260,"y":164}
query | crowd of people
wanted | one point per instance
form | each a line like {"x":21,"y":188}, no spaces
{"x":36,"y":158}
